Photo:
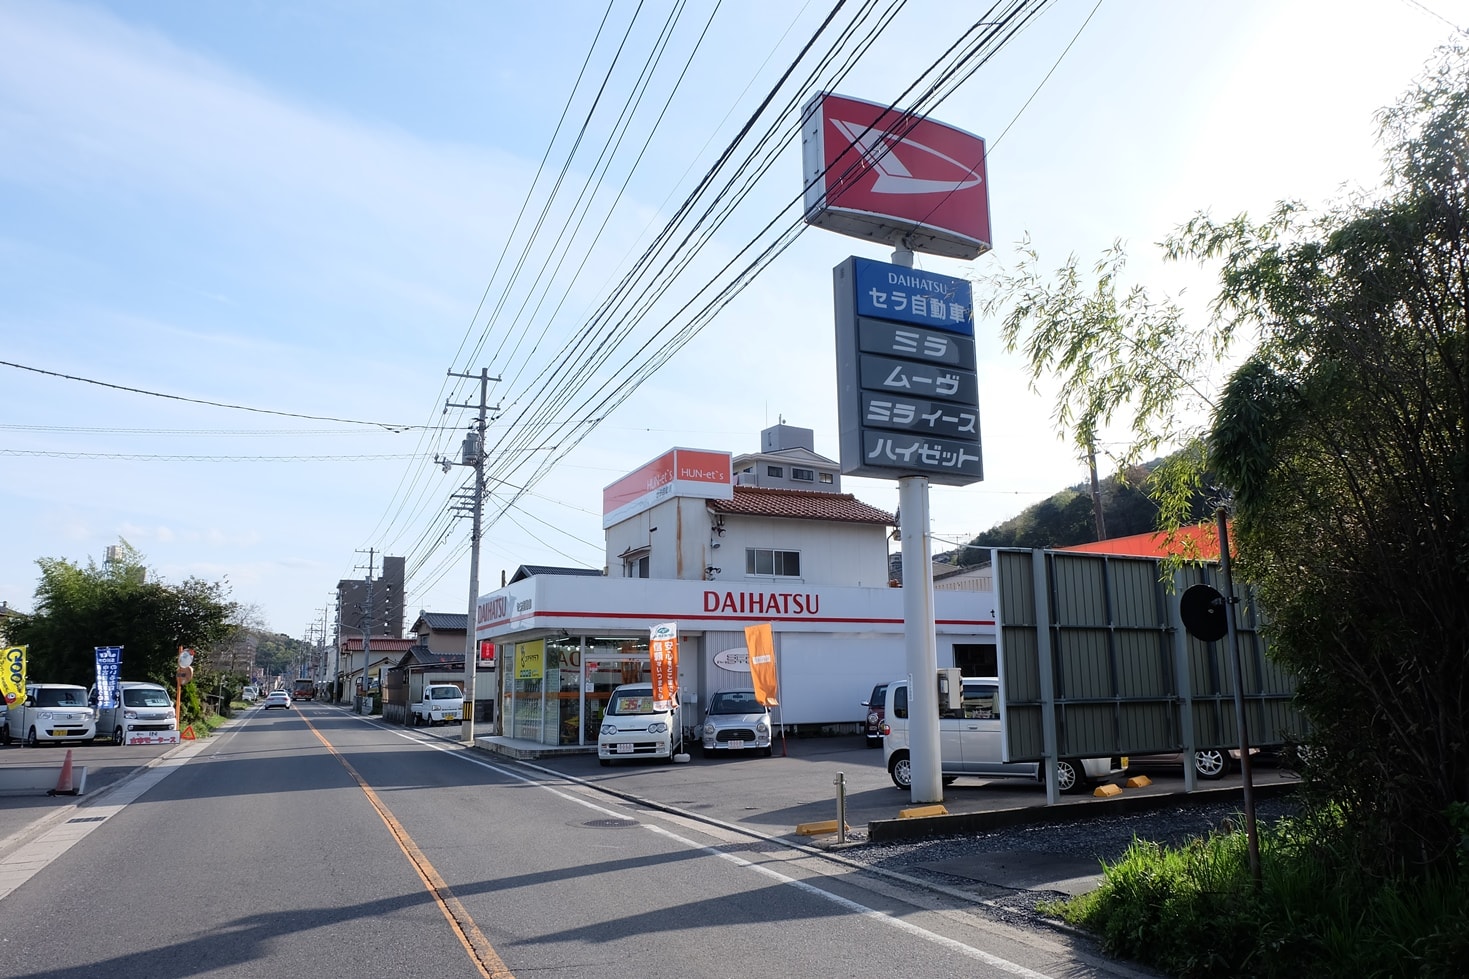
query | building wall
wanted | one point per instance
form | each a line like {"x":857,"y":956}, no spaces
{"x":684,"y":546}
{"x":832,"y":553}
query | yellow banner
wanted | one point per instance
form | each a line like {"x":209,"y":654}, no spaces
{"x":761,"y":645}
{"x":530,"y":660}
{"x":13,"y":675}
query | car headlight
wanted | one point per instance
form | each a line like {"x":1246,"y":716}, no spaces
{"x":609,"y":729}
{"x":131,"y":715}
{"x":709,"y":729}
{"x":762,"y":726}
{"x":657,"y":727}
{"x":44,"y":715}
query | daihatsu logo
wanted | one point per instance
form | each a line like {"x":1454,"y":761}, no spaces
{"x":880,"y":151}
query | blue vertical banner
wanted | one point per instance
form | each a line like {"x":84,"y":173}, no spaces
{"x":109,"y":664}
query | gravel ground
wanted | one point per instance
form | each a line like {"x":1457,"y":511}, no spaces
{"x":1102,"y":839}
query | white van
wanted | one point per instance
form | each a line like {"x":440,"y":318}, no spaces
{"x":970,"y":742}
{"x":51,"y":712}
{"x":634,"y":727}
{"x":143,"y":714}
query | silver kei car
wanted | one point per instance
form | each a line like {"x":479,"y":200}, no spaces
{"x":735,"y":720}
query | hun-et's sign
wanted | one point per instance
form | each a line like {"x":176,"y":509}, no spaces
{"x":700,"y":473}
{"x":907,"y":380}
{"x":877,"y":173}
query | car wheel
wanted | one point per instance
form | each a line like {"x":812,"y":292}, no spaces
{"x":5,"y":734}
{"x":766,"y":751}
{"x":31,"y":740}
{"x":901,"y":770}
{"x":948,"y":779}
{"x":1069,"y":777}
{"x":117,"y":736}
{"x":1211,"y":763}
{"x":874,"y":741}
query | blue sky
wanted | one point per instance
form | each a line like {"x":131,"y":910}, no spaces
{"x":300,"y":208}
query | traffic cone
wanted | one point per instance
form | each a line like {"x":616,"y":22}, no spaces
{"x":63,"y":784}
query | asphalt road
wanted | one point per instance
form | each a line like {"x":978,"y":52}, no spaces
{"x":312,"y":842}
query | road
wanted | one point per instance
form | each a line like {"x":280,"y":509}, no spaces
{"x":312,"y":842}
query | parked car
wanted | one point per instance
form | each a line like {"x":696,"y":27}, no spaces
{"x":1209,"y":763}
{"x":876,"y":705}
{"x":736,"y":721}
{"x":970,"y":742}
{"x":277,"y":698}
{"x":250,"y":694}
{"x":51,"y":712}
{"x":635,"y":726}
{"x":142,"y":714}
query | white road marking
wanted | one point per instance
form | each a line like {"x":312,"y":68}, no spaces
{"x":969,"y":951}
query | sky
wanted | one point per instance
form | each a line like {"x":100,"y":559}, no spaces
{"x":245,"y":246}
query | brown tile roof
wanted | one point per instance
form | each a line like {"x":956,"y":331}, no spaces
{"x":753,"y":501}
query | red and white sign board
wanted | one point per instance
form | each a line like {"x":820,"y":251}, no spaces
{"x":153,"y":737}
{"x":698,"y":473}
{"x":877,"y":173}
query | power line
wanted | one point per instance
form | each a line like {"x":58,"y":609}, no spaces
{"x":391,"y":426}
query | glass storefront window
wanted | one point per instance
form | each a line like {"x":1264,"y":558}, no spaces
{"x":558,"y":686}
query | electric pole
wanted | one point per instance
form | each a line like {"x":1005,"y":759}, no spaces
{"x":363,"y":703}
{"x":473,"y":455}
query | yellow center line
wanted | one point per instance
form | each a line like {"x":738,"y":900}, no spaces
{"x":481,"y":952}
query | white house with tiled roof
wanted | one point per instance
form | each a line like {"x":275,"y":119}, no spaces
{"x":687,"y":543}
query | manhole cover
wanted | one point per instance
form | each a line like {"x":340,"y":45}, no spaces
{"x":611,"y":823}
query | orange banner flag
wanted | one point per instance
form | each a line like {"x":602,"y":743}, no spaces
{"x":761,"y":644}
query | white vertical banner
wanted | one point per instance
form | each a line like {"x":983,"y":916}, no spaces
{"x":663,"y":663}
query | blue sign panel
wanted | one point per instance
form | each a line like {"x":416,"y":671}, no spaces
{"x":109,"y":665}
{"x":894,"y":292}
{"x":907,"y":377}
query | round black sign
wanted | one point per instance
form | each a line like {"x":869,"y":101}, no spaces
{"x":1203,"y":613}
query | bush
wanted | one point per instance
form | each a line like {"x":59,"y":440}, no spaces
{"x":1195,"y":911}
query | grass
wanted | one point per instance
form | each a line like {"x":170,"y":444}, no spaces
{"x":1194,"y":910}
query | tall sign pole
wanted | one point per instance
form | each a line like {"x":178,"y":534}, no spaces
{"x":907,"y":377}
{"x":473,"y":455}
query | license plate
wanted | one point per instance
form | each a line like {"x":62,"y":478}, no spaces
{"x":451,"y":717}
{"x":624,"y":749}
{"x":735,"y":745}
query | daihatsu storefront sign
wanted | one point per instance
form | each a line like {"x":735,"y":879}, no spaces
{"x":877,"y":173}
{"x":701,"y":473}
{"x":579,"y":603}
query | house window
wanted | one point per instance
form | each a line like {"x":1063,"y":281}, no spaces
{"x":803,"y":475}
{"x":635,"y":566}
{"x":779,"y":564}
{"x":776,"y":471}
{"x":826,"y":478}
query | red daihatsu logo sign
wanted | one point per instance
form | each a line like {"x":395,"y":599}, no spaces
{"x":875,"y":173}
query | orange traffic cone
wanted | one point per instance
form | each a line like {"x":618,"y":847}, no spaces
{"x":63,"y":784}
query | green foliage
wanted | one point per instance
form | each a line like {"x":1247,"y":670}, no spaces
{"x":119,"y":604}
{"x":1341,"y":440}
{"x":191,"y":707}
{"x":1066,"y":518}
{"x":1194,"y":911}
{"x":1343,"y":437}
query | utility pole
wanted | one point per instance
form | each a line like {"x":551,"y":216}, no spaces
{"x":362,"y":704}
{"x":1091,"y":461}
{"x":473,"y":455}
